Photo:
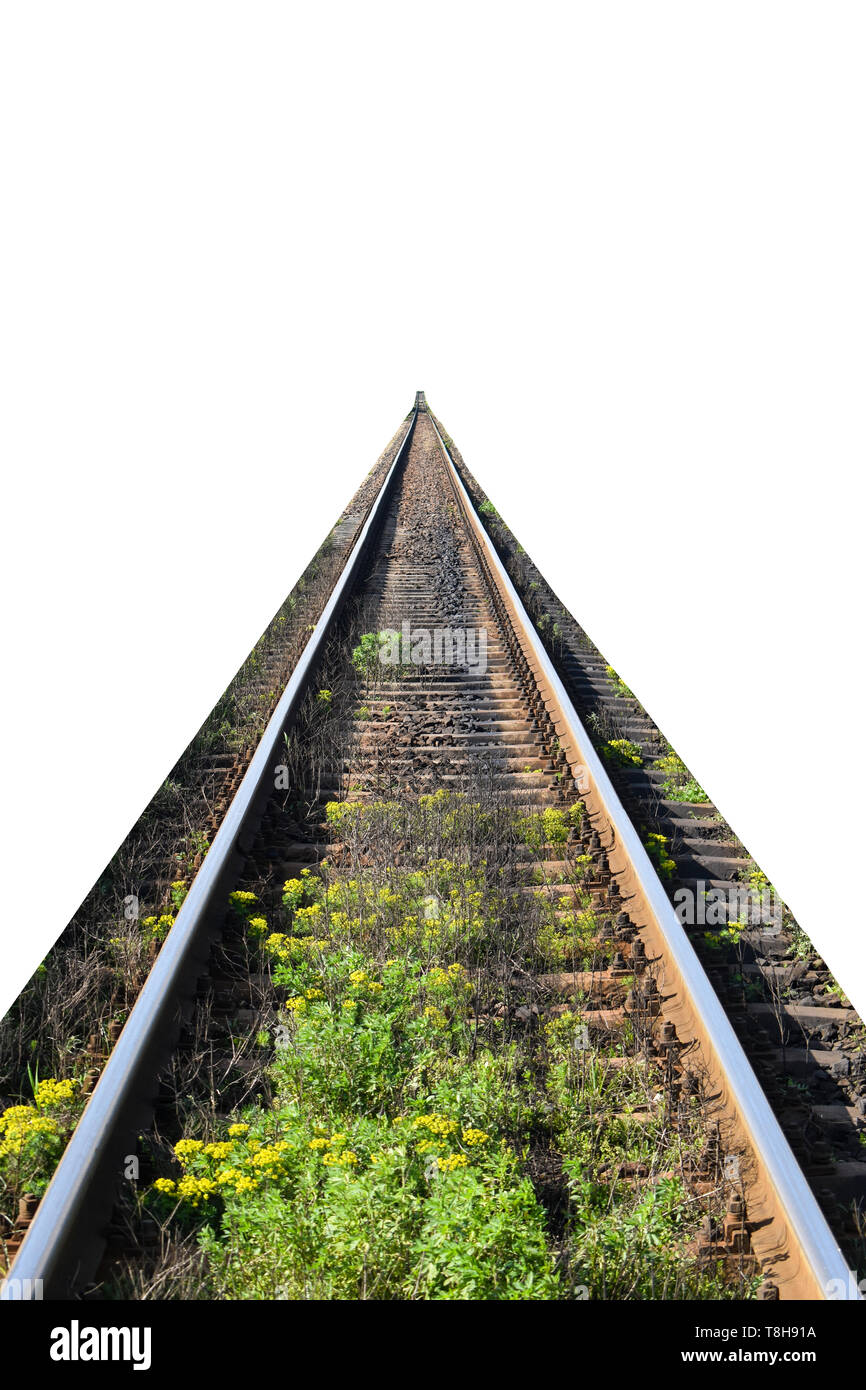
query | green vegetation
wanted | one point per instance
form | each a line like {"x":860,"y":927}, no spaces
{"x":178,"y":892}
{"x":365,"y":657}
{"x":801,"y":947}
{"x":550,"y":826}
{"x":758,"y":881}
{"x":679,"y":784}
{"x":191,"y":846}
{"x":618,"y":684}
{"x":33,"y":1136}
{"x":412,"y":1106}
{"x":729,"y":935}
{"x":622,"y":752}
{"x":657,"y":848}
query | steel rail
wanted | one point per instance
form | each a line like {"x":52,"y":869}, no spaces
{"x":831,"y":1276}
{"x":65,"y":1239}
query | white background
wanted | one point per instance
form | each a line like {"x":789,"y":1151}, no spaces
{"x":621,"y":246}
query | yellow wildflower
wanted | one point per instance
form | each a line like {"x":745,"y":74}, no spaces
{"x":219,"y":1151}
{"x":49,"y":1092}
{"x":345,"y":1159}
{"x":436,"y":1124}
{"x":187,"y":1148}
{"x":475,"y":1136}
{"x":447,"y":1165}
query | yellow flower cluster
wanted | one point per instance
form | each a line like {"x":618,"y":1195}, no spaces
{"x":336,"y":1153}
{"x":360,"y":981}
{"x":293,"y":892}
{"x":242,"y":900}
{"x":435,"y":1015}
{"x":447,"y":1165}
{"x":50,"y":1093}
{"x":244,"y":1183}
{"x":285,"y":948}
{"x":188,"y":1189}
{"x":474,"y":1136}
{"x":297,"y":1004}
{"x":158,"y":926}
{"x":193,"y":1189}
{"x":19,"y":1123}
{"x":436,"y":1124}
{"x":220,"y":1150}
{"x":308,"y":916}
{"x":256,"y":1162}
{"x":271,"y":1155}
{"x":187,"y":1148}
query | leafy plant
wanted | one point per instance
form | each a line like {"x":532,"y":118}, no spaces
{"x":32,"y":1136}
{"x":657,"y":848}
{"x":365,"y":656}
{"x":623,"y":752}
{"x":618,"y":683}
{"x":178,"y":893}
{"x":678,"y":783}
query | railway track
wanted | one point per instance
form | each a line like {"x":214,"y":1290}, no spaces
{"x":469,"y":706}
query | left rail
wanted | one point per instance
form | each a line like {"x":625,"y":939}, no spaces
{"x":65,"y":1239}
